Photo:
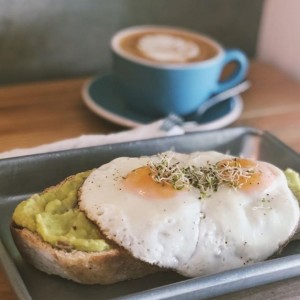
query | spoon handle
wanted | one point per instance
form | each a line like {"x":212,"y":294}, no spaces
{"x":243,"y":86}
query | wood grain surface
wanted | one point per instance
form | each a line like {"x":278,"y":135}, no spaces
{"x":44,"y":112}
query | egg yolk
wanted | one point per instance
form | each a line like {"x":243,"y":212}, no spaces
{"x":246,"y":174}
{"x":140,"y":181}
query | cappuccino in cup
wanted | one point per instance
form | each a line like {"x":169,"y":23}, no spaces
{"x":167,"y":46}
{"x":161,"y":70}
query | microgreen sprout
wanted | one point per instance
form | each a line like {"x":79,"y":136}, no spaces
{"x":207,"y":179}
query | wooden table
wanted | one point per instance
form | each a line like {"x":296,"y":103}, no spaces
{"x":37,"y":113}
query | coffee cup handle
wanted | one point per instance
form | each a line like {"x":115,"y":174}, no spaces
{"x":237,"y":56}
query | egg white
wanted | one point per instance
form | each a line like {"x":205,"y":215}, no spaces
{"x":230,"y":228}
{"x":239,"y":228}
{"x":155,"y":230}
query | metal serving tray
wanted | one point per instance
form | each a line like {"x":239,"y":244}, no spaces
{"x":21,"y":177}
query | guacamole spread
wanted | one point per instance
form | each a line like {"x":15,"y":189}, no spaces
{"x":293,"y":182}
{"x":55,"y":216}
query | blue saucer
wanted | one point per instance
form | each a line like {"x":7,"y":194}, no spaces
{"x":101,"y":97}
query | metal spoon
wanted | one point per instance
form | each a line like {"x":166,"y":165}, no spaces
{"x":238,"y":89}
{"x":174,"y":120}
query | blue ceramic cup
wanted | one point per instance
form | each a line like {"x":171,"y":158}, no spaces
{"x":157,"y":87}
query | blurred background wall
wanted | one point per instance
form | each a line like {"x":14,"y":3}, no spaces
{"x":49,"y":39}
{"x":279,"y":36}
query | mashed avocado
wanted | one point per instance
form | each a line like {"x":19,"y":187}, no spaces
{"x":293,"y":182}
{"x":55,"y":216}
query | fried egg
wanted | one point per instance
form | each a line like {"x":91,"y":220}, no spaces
{"x":197,"y":214}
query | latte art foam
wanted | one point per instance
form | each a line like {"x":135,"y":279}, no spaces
{"x":164,"y":46}
{"x":167,"y":48}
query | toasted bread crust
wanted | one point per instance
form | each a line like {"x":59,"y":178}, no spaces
{"x":104,"y":267}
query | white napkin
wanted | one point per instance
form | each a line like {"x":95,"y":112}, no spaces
{"x":152,"y":130}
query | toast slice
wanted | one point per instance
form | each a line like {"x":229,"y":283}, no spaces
{"x":110,"y":265}
{"x":105,"y":267}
